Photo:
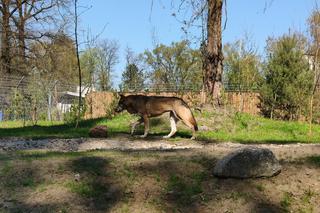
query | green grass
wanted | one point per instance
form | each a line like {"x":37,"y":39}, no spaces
{"x":234,"y":127}
{"x":87,"y":189}
{"x":315,"y":160}
{"x":246,"y":128}
{"x":286,"y":201}
{"x":185,"y":189}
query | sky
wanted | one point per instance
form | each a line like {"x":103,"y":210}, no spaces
{"x":139,"y":24}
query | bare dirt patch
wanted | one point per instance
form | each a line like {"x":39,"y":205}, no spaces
{"x":154,"y":175}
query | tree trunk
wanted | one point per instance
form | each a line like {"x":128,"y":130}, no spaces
{"x":214,"y":57}
{"x":78,"y":62}
{"x":5,"y":38}
{"x":21,"y":33}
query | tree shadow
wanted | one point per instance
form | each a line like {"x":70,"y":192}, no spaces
{"x":95,"y":184}
{"x":88,"y":181}
{"x":184,"y":178}
{"x":189,"y":187}
{"x":254,"y":142}
{"x":52,"y":131}
{"x":313,"y":160}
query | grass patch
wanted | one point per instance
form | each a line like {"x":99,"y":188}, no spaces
{"x":87,"y":189}
{"x":7,"y":167}
{"x":286,"y":201}
{"x":185,"y":191}
{"x":239,"y":195}
{"x":260,"y":187}
{"x":19,"y":178}
{"x":315,"y":160}
{"x":245,"y":128}
{"x":93,"y":165}
{"x":150,"y":181}
{"x":221,"y":126}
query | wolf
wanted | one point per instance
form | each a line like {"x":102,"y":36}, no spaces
{"x":152,"y":106}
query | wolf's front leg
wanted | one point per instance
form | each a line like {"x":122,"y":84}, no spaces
{"x":138,"y":122}
{"x":146,"y":126}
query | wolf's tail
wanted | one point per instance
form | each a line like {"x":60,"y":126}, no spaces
{"x":184,"y":113}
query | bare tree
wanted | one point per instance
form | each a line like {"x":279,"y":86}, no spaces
{"x":6,"y":35}
{"x":28,"y":10}
{"x":207,"y":15}
{"x":23,"y":20}
{"x":213,"y":56}
{"x":78,"y":60}
{"x":107,"y":59}
{"x":314,"y":28}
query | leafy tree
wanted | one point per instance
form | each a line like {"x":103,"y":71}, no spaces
{"x":133,"y":77}
{"x":242,"y":66}
{"x":98,"y":63}
{"x":55,"y":60}
{"x":174,"y":67}
{"x":288,"y":80}
{"x":54,"y":64}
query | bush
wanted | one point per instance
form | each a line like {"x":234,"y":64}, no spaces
{"x":288,"y":79}
{"x":72,"y":115}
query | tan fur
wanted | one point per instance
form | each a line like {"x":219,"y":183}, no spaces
{"x":152,"y":106}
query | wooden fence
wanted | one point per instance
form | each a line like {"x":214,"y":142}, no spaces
{"x":99,"y":102}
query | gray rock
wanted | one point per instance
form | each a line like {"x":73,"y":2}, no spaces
{"x":248,"y":162}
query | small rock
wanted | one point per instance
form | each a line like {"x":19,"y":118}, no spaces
{"x":204,"y":128}
{"x":98,"y":132}
{"x":8,"y":205}
{"x":77,"y":177}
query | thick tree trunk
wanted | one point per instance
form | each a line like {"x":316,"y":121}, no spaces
{"x":214,"y":57}
{"x":5,"y":38}
{"x":21,"y":32}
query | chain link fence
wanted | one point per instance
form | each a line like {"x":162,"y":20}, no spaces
{"x":184,"y":88}
{"x":33,"y":98}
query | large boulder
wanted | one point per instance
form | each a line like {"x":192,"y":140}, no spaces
{"x":248,"y":162}
{"x":98,"y":132}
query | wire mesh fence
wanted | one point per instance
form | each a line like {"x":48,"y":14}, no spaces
{"x":32,"y":98}
{"x":184,"y":88}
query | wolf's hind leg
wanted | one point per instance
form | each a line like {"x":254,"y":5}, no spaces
{"x":173,"y":123}
{"x":138,"y":122}
{"x":192,"y":127}
{"x":146,"y":126}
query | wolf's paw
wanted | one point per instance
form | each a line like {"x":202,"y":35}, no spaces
{"x":166,"y":137}
{"x":142,"y":136}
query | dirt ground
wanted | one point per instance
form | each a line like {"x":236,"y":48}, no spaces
{"x":153,"y":175}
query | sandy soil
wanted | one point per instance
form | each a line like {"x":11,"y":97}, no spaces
{"x":141,"y":179}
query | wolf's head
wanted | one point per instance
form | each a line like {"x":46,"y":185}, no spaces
{"x":121,"y":104}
